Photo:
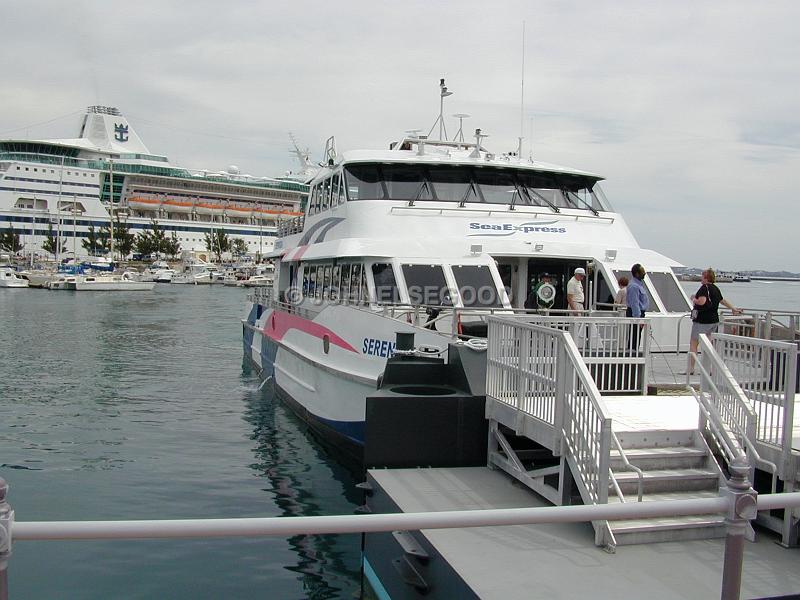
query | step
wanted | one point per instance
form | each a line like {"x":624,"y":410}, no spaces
{"x":647,"y":531}
{"x":669,"y":529}
{"x":667,"y":480}
{"x":661,"y":438}
{"x":668,"y":457}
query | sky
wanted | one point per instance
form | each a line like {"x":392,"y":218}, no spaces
{"x":690,"y":110}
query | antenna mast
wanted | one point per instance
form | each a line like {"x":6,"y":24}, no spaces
{"x":443,"y":93}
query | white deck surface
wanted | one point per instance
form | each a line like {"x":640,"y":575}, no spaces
{"x":561,"y":561}
{"x":645,"y":413}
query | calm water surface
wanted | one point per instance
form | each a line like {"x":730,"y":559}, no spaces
{"x":137,"y":406}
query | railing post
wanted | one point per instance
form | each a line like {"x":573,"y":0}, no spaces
{"x":6,"y":523}
{"x":741,"y":510}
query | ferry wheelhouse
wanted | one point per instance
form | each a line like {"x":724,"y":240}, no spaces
{"x":66,"y":186}
{"x":430,"y":237}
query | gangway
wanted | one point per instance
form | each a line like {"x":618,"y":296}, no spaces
{"x":563,"y":426}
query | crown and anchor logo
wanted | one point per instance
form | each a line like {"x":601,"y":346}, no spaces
{"x":120,"y":132}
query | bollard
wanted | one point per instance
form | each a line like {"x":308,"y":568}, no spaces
{"x":6,"y":521}
{"x":741,"y":510}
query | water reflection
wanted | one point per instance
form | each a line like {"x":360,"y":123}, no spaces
{"x":306,"y":482}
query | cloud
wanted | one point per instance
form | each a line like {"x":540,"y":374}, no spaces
{"x":689,"y":109}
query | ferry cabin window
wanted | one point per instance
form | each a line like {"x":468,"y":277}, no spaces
{"x":496,"y":186}
{"x":326,"y":194}
{"x":385,"y":283}
{"x":476,"y":286}
{"x":364,"y":183}
{"x":335,"y":190}
{"x":452,"y":185}
{"x":334,"y":293}
{"x":427,"y":285}
{"x":344,"y":286}
{"x":653,"y":306}
{"x":667,"y":287}
{"x":405,"y":182}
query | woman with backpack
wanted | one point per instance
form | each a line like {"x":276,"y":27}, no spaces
{"x":705,"y":312}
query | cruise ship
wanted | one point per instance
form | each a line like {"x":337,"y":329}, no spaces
{"x":67,"y":186}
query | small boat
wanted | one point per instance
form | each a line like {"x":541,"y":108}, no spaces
{"x":164,"y":275}
{"x":258,"y":281}
{"x":37,"y":278}
{"x":10,"y":279}
{"x":741,"y":278}
{"x":111,"y":283}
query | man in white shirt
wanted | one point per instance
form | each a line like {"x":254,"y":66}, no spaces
{"x":575,"y":291}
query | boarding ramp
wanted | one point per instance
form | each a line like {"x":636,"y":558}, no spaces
{"x":767,"y":373}
{"x":551,"y":427}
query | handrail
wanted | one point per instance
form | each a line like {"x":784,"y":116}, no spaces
{"x":627,"y":463}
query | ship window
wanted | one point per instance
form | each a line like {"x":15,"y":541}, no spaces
{"x":385,"y":283}
{"x":334,"y":293}
{"x":451,"y":185}
{"x":326,"y":281}
{"x":355,"y":284}
{"x":364,"y":183}
{"x":405,"y":182}
{"x":427,"y":285}
{"x":344,"y":288}
{"x":667,"y":287}
{"x":497,"y":187}
{"x":653,"y":306}
{"x":335,"y":190}
{"x":326,"y":194}
{"x":476,"y":286}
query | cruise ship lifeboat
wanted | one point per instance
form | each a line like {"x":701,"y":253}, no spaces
{"x":241,"y":212}
{"x":177,"y":206}
{"x":209,"y":209}
{"x":144,"y":204}
{"x":270,"y":213}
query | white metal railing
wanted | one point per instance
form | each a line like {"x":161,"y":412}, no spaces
{"x":767,"y":373}
{"x":738,"y":501}
{"x":538,"y":370}
{"x":614,"y":349}
{"x":727,"y":413}
{"x":777,"y":325}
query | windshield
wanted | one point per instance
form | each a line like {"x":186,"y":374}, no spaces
{"x":427,"y":285}
{"x":462,"y":184}
{"x":476,"y":286}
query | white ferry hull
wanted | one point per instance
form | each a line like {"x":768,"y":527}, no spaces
{"x":328,"y":389}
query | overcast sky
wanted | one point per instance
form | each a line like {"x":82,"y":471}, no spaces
{"x":691,"y":110}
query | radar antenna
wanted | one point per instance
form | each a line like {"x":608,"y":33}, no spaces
{"x":443,"y":93}
{"x":460,"y":135}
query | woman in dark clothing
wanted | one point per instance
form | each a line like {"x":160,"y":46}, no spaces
{"x":705,"y":316}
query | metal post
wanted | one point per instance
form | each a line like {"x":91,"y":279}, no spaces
{"x":6,"y":521}
{"x":741,"y":510}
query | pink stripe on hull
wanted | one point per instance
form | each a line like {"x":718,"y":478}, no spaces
{"x":278,"y":323}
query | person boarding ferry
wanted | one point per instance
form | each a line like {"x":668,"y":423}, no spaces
{"x":575,"y":296}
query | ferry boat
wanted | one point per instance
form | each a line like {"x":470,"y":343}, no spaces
{"x":63,"y":187}
{"x":428,"y":237}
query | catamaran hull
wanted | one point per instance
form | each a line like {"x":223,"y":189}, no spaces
{"x":326,"y":366}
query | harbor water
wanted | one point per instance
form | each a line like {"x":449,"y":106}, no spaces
{"x":139,"y":406}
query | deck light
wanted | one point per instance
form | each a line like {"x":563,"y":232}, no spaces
{"x":611,"y":255}
{"x":476,"y":248}
{"x":538,"y":247}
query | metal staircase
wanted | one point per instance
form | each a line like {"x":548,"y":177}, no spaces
{"x":539,"y":387}
{"x":674,"y":465}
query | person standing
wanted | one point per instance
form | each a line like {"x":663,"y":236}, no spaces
{"x":637,"y":300}
{"x":575,"y":297}
{"x":621,"y":299}
{"x":705,"y":313}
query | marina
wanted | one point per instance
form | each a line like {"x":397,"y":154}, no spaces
{"x":280,"y":317}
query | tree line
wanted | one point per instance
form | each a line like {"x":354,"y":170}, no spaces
{"x":149,"y":242}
